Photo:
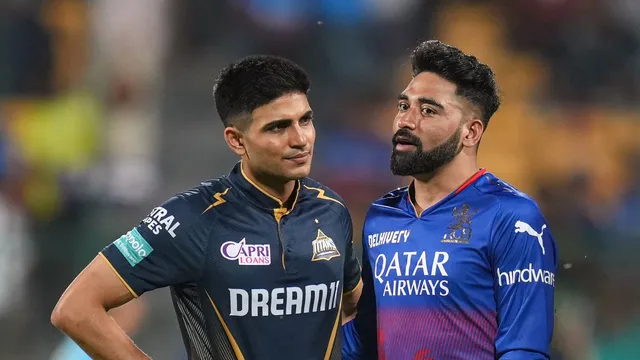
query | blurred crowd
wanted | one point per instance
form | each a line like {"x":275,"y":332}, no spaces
{"x":105,"y":104}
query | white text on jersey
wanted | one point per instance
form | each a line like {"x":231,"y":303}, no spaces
{"x":403,"y":274}
{"x":388,"y":237}
{"x":527,"y":275}
{"x":284,"y":301}
{"x":158,"y":219}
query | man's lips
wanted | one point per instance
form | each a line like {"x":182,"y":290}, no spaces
{"x":300,"y":158}
{"x":301,"y":155}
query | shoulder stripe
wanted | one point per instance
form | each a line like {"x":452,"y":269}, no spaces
{"x":219,"y":200}
{"x":321,"y":195}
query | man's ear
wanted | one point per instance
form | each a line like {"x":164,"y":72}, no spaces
{"x":235,"y":140}
{"x":473,"y":134}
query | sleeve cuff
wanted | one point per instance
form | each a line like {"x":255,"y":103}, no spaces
{"x":118,"y":274}
{"x":349,"y":291}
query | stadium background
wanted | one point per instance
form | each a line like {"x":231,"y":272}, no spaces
{"x":106,"y":110}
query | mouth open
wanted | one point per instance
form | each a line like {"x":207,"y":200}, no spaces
{"x":403,"y":143}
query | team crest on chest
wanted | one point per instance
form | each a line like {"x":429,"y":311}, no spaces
{"x":323,"y":247}
{"x":460,"y":226}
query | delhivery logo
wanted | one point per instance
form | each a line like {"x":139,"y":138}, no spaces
{"x":246,"y":254}
{"x":133,"y":247}
{"x":388,"y":237}
{"x":522,"y":226}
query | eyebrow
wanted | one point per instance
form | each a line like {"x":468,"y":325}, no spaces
{"x":423,"y":100}
{"x":286,"y":122}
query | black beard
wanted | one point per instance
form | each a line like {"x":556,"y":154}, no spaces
{"x":423,"y":162}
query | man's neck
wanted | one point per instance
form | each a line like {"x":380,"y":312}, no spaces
{"x":277,"y":188}
{"x":431,"y":188}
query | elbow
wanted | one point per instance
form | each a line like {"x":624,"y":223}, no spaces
{"x":68,"y":314}
{"x":61,"y":316}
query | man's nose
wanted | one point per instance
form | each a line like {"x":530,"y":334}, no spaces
{"x":297,"y":137}
{"x":407,"y":120}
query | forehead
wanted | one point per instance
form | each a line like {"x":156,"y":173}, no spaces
{"x":430,"y":85}
{"x":290,"y":106}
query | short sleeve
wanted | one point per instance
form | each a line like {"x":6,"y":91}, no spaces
{"x":352,"y":270}
{"x":360,"y":334}
{"x":166,"y":248}
{"x":524,"y":264}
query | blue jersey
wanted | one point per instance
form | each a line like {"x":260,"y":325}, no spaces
{"x":471,"y":277}
{"x":250,"y":277}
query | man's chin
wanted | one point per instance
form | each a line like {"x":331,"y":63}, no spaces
{"x":298,"y":172}
{"x":402,"y":163}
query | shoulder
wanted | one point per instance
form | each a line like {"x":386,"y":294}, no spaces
{"x":316,"y":190}
{"x":391,"y":199}
{"x":197,"y":200}
{"x":508,"y":200}
{"x":513,"y":209}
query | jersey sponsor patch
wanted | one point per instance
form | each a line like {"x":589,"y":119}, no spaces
{"x":133,"y":247}
{"x":246,"y":254}
{"x":284,"y":301}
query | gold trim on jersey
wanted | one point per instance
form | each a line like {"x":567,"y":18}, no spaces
{"x":332,"y":338}
{"x":118,"y":274}
{"x":219,"y":200}
{"x":322,"y":196}
{"x":232,"y":340}
{"x":282,"y":211}
{"x":258,"y":186}
{"x":278,"y":212}
{"x":359,"y":284}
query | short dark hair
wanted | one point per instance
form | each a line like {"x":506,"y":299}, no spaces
{"x":254,"y":81}
{"x":474,"y":79}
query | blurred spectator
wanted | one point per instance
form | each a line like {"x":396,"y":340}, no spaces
{"x":131,"y":39}
{"x":625,"y":223}
{"x":16,"y":252}
{"x":104,"y":104}
{"x":25,"y":50}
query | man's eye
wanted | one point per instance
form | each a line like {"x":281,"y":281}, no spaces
{"x":403,"y":107}
{"x":428,"y":111}
{"x":306,"y":120}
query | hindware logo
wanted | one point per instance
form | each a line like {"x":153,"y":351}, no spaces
{"x":246,"y":254}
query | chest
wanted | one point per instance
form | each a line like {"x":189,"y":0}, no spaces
{"x":433,"y":255}
{"x":253,"y":249}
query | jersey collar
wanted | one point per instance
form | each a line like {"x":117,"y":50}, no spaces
{"x":408,"y":204}
{"x":260,"y":196}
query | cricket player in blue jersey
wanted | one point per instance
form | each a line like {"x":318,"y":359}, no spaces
{"x":459,"y":264}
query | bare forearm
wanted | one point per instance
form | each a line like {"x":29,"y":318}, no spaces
{"x":100,"y":337}
{"x":349,"y":307}
{"x":350,"y":303}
